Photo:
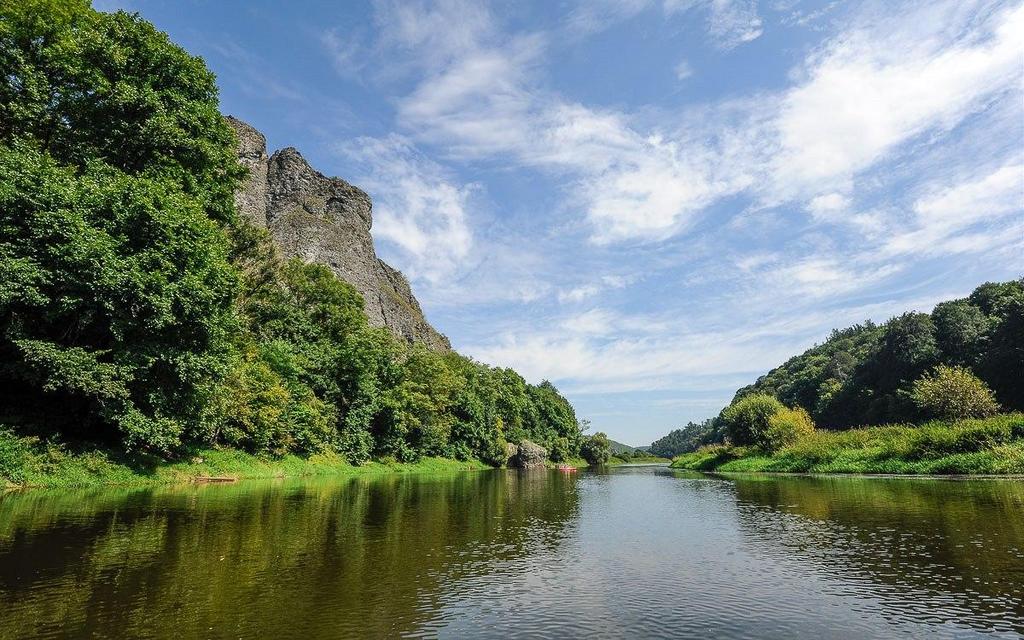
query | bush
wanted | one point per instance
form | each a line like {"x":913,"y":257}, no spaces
{"x":596,"y":449}
{"x":746,"y":420}
{"x":787,"y":427}
{"x":953,"y":393}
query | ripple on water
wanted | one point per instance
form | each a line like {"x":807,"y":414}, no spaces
{"x":639,"y":553}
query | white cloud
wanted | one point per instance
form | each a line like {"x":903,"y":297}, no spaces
{"x":593,"y":16}
{"x":582,"y":292}
{"x":600,"y":351}
{"x":819,"y":277}
{"x":827,"y":206}
{"x":995,"y":194}
{"x":734,"y":22}
{"x":944,"y":217}
{"x":683,"y":70}
{"x":578,"y":294}
{"x":478,"y":103}
{"x":416,"y":206}
{"x":729,"y":23}
{"x":874,"y":88}
{"x":437,"y":32}
{"x":865,"y":93}
{"x":345,"y":51}
{"x":594,"y":321}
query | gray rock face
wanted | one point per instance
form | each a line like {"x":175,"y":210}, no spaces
{"x":327,"y":220}
{"x":529,"y":455}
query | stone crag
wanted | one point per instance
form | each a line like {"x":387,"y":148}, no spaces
{"x":327,"y":220}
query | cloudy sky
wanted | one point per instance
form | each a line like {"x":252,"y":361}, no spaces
{"x":648,"y":202}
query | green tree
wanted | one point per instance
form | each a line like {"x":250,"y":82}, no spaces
{"x":953,"y":393}
{"x":551,"y":417}
{"x":747,"y":420}
{"x":1002,"y":364}
{"x":596,"y":449}
{"x":689,"y":438}
{"x":84,"y":86}
{"x":961,"y":331}
{"x":908,"y":348}
{"x":116,"y":303}
{"x":115,"y":165}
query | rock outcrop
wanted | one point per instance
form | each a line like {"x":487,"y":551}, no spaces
{"x":327,"y":220}
{"x":529,"y":455}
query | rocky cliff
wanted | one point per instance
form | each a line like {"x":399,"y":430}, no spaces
{"x":327,"y":220}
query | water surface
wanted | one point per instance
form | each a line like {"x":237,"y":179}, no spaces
{"x":629,"y":552}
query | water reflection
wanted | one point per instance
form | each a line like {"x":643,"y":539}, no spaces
{"x":363,"y":557}
{"x":642,"y":552}
{"x":943,"y":551}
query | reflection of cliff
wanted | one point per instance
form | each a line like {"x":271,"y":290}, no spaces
{"x":367,"y":557}
{"x":951,"y":550}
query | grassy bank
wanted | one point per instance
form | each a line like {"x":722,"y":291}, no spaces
{"x":991,"y":446}
{"x":27,"y":462}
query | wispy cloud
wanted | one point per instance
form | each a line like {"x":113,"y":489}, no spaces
{"x":683,"y":70}
{"x":601,"y":352}
{"x":729,"y":23}
{"x":582,"y":292}
{"x":881,"y":84}
{"x":862,"y":94}
{"x":252,"y":69}
{"x":784,"y":211}
{"x":944,"y":218}
{"x":418,"y":206}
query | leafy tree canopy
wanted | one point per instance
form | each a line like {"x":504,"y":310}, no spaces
{"x":137,"y":309}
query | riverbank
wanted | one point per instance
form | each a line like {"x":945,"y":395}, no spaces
{"x":994,"y":446}
{"x":27,"y":463}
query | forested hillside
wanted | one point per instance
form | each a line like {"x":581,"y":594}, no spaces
{"x":139,"y":311}
{"x":864,"y":374}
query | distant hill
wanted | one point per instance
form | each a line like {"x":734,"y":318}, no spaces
{"x":618,"y":447}
{"x":862,"y":375}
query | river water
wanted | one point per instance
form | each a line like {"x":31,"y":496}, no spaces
{"x":638,"y":552}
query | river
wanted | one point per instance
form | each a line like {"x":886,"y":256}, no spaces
{"x":639,"y":552}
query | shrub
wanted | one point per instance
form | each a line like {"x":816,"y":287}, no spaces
{"x":559,"y":449}
{"x":953,"y":393}
{"x":787,"y":427}
{"x":746,"y":420}
{"x":596,"y":449}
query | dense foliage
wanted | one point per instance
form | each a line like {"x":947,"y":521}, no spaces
{"x":137,"y":310}
{"x":596,"y":449}
{"x":864,"y":375}
{"x":690,"y":437}
{"x":898,"y":372}
{"x":747,"y":420}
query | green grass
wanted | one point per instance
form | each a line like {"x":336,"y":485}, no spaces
{"x":29,"y":462}
{"x":991,"y":446}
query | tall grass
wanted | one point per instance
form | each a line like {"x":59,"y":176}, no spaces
{"x":989,"y":446}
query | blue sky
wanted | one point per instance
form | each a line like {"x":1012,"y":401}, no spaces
{"x":650,"y":203}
